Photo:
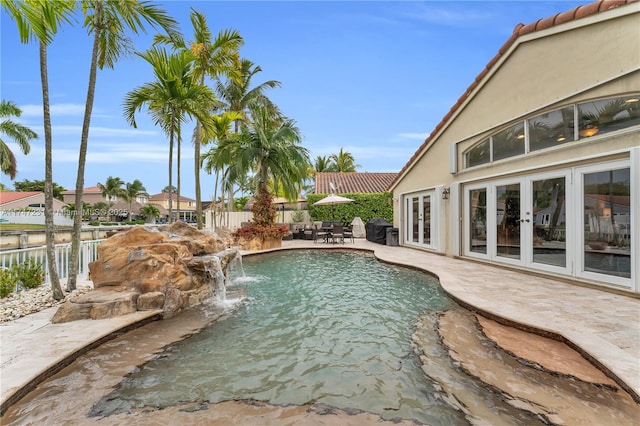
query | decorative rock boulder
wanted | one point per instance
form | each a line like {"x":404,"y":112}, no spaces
{"x":170,"y":268}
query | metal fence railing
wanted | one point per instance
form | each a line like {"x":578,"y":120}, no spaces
{"x":88,"y":253}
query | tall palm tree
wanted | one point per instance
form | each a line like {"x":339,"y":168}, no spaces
{"x":172,"y":98}
{"x":270,"y":146}
{"x":213,"y":58}
{"x":131,"y":191}
{"x":108,"y":21}
{"x":344,"y":161}
{"x":39,"y":19}
{"x":220,"y":131}
{"x":16,"y":131}
{"x":237,"y":94}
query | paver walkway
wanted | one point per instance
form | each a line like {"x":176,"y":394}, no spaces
{"x":604,"y":326}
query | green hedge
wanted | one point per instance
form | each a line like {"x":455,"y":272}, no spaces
{"x":364,"y":206}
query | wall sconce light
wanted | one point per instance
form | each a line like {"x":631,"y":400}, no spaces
{"x":445,"y":193}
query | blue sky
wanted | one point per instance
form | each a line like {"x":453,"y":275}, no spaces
{"x":374,"y":78}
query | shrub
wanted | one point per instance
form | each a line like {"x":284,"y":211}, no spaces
{"x":139,"y":222}
{"x":94,"y":223}
{"x":30,"y":273}
{"x":252,"y":230}
{"x":7,"y":282}
{"x":297,"y":215}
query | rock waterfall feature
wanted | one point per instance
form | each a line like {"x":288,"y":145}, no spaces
{"x":169,"y":269}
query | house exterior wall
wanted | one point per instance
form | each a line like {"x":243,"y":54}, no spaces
{"x":582,"y":60}
{"x":89,"y":198}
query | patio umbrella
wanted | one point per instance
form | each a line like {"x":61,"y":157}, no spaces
{"x":331,"y":200}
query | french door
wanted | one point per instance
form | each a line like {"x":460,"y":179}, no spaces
{"x":574,"y":222}
{"x":419,"y":208}
{"x":520,"y":221}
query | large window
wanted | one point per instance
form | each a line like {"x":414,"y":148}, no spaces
{"x":551,"y":129}
{"x":560,"y":126}
{"x":509,"y":142}
{"x":607,"y":222}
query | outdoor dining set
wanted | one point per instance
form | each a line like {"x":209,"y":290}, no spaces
{"x":329,"y":231}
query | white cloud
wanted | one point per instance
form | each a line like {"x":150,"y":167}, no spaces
{"x":413,"y":136}
{"x":59,"y":110}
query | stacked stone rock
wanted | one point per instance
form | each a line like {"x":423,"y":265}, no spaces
{"x":149,"y":269}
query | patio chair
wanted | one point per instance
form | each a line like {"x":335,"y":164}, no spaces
{"x":320,"y":234}
{"x":348,"y":233}
{"x":337,"y":234}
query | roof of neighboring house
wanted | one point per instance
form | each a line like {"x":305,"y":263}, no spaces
{"x":623,"y":200}
{"x":11,"y":196}
{"x":124,"y":205}
{"x":520,"y":30}
{"x":353,"y":182}
{"x":165,"y":196}
{"x":88,"y":190}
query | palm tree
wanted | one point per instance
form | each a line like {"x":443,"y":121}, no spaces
{"x":40,"y":19}
{"x":172,"y":98}
{"x":131,"y":192}
{"x":108,"y":21}
{"x":112,"y":189}
{"x":220,"y":131}
{"x":344,"y":161}
{"x":213,"y":58}
{"x":270,"y":146}
{"x":16,"y":131}
{"x":150,"y":212}
{"x":237,"y":95}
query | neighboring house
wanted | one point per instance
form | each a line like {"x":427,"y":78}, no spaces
{"x":352,"y":182}
{"x":187,"y":205}
{"x":33,"y":200}
{"x":540,"y":157}
{"x":28,"y":207}
{"x":90,"y":195}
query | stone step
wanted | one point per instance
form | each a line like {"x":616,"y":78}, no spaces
{"x":494,"y":385}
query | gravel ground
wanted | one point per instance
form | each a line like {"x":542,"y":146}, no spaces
{"x":26,"y":302}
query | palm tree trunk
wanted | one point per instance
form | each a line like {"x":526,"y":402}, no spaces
{"x":178,"y":183}
{"x":48,"y":180}
{"x":171,"y":176}
{"x":82,"y":160}
{"x":196,"y":155}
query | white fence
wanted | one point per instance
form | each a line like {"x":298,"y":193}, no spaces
{"x":88,"y":253}
{"x":233,"y":220}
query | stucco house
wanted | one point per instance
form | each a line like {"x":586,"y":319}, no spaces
{"x":537,"y":165}
{"x":28,"y":207}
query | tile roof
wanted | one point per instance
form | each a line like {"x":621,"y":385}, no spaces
{"x":520,"y":30}
{"x":10,"y":196}
{"x":165,"y":196}
{"x":353,"y":182}
{"x":88,"y":190}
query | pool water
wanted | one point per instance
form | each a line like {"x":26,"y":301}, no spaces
{"x":326,"y":327}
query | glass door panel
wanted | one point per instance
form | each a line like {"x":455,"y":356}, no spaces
{"x":607,"y":222}
{"x":477,"y":239}
{"x":548,"y":233}
{"x":419,"y":218}
{"x":507,"y":214}
{"x":416,"y":217}
{"x":426,"y":224}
